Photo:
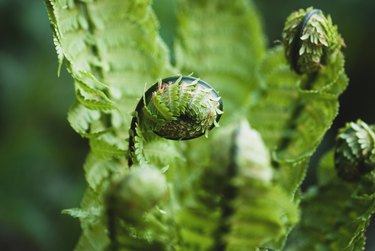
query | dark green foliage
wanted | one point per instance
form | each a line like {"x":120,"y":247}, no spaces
{"x":335,"y":214}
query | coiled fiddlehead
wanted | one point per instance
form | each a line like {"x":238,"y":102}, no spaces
{"x":309,"y":37}
{"x":355,"y":150}
{"x":177,"y":108}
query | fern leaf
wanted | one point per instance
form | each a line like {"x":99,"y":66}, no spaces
{"x":262,"y":217}
{"x":93,"y":224}
{"x":293,"y":118}
{"x":108,"y":40}
{"x":197,"y":227}
{"x":112,"y":49}
{"x":161,"y":108}
{"x":81,"y":119}
{"x":211,"y":44}
{"x":335,"y":214}
{"x":91,"y":93}
{"x":162,"y":154}
{"x":98,"y":170}
{"x":105,"y":150}
{"x":256,"y":211}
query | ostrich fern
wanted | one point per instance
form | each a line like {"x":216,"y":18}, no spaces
{"x":238,"y":188}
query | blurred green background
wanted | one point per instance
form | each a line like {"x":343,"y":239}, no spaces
{"x":41,"y":157}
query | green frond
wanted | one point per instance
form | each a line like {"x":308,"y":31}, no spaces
{"x":139,"y":155}
{"x":278,"y":94}
{"x":257,"y":212}
{"x":112,"y":49}
{"x":161,"y":108}
{"x":162,"y":153}
{"x":105,"y":150}
{"x":172,"y":99}
{"x":94,"y":234}
{"x":197,"y":228}
{"x":262,"y":217}
{"x":211,"y":44}
{"x":304,"y":108}
{"x":89,"y":215}
{"x":139,"y":218}
{"x":148,"y":114}
{"x":94,"y":95}
{"x":81,"y":119}
{"x":84,"y":244}
{"x":93,"y":239}
{"x":184,"y":96}
{"x":116,"y":42}
{"x":335,"y":214}
{"x":99,"y":171}
{"x":195,"y":103}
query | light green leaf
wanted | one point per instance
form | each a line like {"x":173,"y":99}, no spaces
{"x":83,"y":214}
{"x":81,"y":119}
{"x":163,"y":153}
{"x":113,"y":42}
{"x":92,"y":93}
{"x":294,"y":112}
{"x":113,"y":51}
{"x":99,"y":170}
{"x":221,"y":42}
{"x":84,"y":244}
{"x":93,"y":223}
{"x":262,"y":217}
{"x":257,"y":212}
{"x":105,"y":150}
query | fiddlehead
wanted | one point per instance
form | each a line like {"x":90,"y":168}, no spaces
{"x":241,"y":164}
{"x":309,"y":37}
{"x":177,"y":108}
{"x":355,"y":150}
{"x":128,"y":200}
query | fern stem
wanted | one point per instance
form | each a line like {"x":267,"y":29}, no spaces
{"x":228,"y":194}
{"x":291,"y":124}
{"x":131,"y":146}
{"x":111,"y":224}
{"x":135,"y":122}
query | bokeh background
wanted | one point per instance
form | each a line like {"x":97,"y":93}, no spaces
{"x":41,"y":157}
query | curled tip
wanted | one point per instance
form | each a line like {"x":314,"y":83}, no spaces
{"x":309,"y":37}
{"x":180,"y":108}
{"x":355,"y":150}
{"x":177,"y":108}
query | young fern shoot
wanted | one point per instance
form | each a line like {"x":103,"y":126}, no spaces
{"x":176,"y":108}
{"x":355,"y":150}
{"x":130,"y":199}
{"x":309,"y":37}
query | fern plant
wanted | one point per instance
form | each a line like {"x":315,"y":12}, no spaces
{"x":152,"y":185}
